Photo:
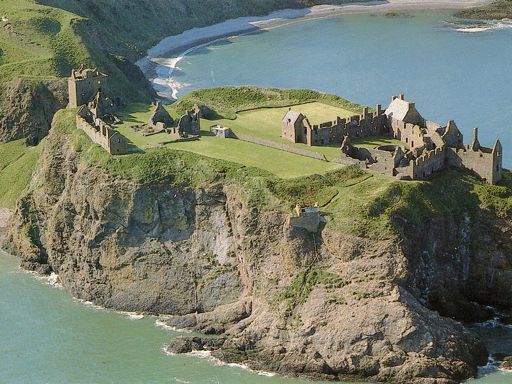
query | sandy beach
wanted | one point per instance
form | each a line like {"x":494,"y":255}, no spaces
{"x":162,"y":59}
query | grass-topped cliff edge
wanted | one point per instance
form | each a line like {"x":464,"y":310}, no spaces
{"x":168,"y":230}
{"x":359,"y":203}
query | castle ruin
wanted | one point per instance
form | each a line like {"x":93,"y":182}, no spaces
{"x":160,"y":118}
{"x":297,"y":128}
{"x":100,"y":132}
{"x":426,"y":148}
{"x":83,"y":85}
{"x":96,"y":111}
{"x":190,"y":122}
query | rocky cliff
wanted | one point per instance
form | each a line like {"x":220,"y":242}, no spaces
{"x":27,"y":108}
{"x":333,"y":304}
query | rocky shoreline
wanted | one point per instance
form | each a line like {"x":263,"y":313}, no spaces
{"x":331,"y":306}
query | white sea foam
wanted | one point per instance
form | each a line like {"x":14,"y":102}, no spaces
{"x":53,"y":279}
{"x":160,"y":323}
{"x":132,"y":315}
{"x":207,"y":355}
{"x":494,"y":323}
{"x":90,"y":304}
{"x":484,"y":27}
{"x":165,"y":84}
{"x":182,"y":381}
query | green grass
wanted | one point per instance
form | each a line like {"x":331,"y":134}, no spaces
{"x":280,"y":163}
{"x":17,"y":163}
{"x":299,"y":290}
{"x":355,"y":202}
{"x":226,"y":102}
{"x":38,"y":42}
{"x":497,"y":10}
{"x":372,"y":142}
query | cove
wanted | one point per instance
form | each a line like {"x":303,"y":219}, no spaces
{"x":451,"y":71}
{"x":47,"y":337}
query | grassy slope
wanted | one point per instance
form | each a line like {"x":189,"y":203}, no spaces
{"x":17,"y":162}
{"x":44,"y":39}
{"x":38,"y":42}
{"x":227,"y":101}
{"x":497,"y":10}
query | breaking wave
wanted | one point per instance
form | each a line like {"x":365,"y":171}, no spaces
{"x":53,"y":279}
{"x":160,"y":323}
{"x":207,"y":355}
{"x":482,"y":26}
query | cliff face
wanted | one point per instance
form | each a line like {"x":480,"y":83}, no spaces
{"x":27,"y":108}
{"x":327,"y":305}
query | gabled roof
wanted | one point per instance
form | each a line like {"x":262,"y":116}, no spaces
{"x":403,"y":111}
{"x":293,"y":116}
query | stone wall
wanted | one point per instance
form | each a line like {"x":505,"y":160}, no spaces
{"x":282,"y":147}
{"x":427,"y":164}
{"x":82,"y":90}
{"x":484,"y":162}
{"x":357,"y":126}
{"x":113,"y":142}
{"x":410,"y":134}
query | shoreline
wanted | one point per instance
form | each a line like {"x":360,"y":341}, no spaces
{"x":166,"y":55}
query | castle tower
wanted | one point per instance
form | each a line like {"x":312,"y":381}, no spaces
{"x":83,"y":85}
{"x":497,"y":155}
{"x":475,"y":144}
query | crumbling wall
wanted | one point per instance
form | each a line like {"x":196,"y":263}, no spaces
{"x":113,"y":142}
{"x":483,"y":162}
{"x":428,"y":163}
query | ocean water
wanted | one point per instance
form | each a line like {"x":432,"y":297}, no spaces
{"x":46,"y":337}
{"x":451,"y":71}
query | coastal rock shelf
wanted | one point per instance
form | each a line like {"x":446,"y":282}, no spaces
{"x":330,"y":304}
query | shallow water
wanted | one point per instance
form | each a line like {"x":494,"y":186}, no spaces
{"x":47,"y":337}
{"x":451,"y":71}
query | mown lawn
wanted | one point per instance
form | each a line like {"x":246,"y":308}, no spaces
{"x":17,"y":163}
{"x":264,"y":123}
{"x":280,"y":163}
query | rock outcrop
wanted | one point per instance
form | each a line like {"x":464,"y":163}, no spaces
{"x":27,"y":108}
{"x":327,"y":305}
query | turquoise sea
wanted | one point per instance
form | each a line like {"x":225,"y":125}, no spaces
{"x":451,"y":71}
{"x":47,"y":337}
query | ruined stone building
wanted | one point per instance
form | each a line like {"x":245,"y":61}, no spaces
{"x":190,"y":123}
{"x":83,"y":85}
{"x":427,"y":147}
{"x":297,"y":128}
{"x":160,"y":118}
{"x":100,"y":132}
{"x":96,"y":111}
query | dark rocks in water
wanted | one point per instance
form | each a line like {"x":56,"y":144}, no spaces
{"x":182,"y":345}
{"x":41,"y":269}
